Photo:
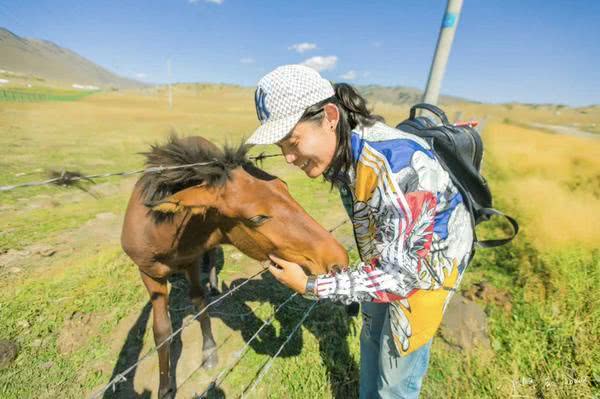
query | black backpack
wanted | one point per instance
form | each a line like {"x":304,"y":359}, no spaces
{"x":459,"y":150}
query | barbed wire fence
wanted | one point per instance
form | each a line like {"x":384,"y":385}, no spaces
{"x":218,"y":380}
{"x":267,"y":366}
{"x":122,"y":377}
{"x":65,"y":178}
{"x":264,"y":369}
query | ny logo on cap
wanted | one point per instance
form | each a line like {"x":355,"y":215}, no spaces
{"x":261,"y":108}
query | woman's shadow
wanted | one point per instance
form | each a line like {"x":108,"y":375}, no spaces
{"x":328,"y":322}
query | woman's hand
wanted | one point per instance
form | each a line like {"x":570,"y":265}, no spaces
{"x":289,"y":273}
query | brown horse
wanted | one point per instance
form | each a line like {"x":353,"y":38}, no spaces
{"x":174,"y":217}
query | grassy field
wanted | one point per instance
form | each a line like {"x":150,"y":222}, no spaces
{"x":81,"y":314}
{"x":38,"y":95}
{"x":29,"y":88}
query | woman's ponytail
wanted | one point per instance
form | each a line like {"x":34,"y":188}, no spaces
{"x":355,"y":106}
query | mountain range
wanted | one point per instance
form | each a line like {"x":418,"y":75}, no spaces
{"x":37,"y":59}
{"x":45,"y":60}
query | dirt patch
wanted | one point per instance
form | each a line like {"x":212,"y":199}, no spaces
{"x":490,"y":294}
{"x":133,"y":338}
{"x":465,"y":325}
{"x":8,"y":352}
{"x":13,"y":257}
{"x":104,"y":229}
{"x":76,"y":331}
{"x":566,"y":130}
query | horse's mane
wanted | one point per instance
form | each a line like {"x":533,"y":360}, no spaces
{"x":187,"y":150}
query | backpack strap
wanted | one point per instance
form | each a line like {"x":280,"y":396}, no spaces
{"x":486,"y":213}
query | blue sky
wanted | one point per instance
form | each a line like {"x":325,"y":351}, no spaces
{"x":528,"y":51}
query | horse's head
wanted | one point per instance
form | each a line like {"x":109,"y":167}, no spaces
{"x":255,"y":212}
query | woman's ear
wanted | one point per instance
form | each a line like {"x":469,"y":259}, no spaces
{"x":332,"y":115}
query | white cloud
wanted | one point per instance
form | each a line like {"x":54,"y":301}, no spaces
{"x":321,"y":63}
{"x":247,"y":60}
{"x":141,"y":75}
{"x":350,"y":75}
{"x":302,"y":47}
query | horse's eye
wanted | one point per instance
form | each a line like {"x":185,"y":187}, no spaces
{"x":258,"y":220}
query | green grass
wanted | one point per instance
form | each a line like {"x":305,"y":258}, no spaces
{"x":546,"y":346}
{"x":42,"y":94}
{"x":548,"y":339}
{"x":104,"y":285}
{"x":37,"y":225}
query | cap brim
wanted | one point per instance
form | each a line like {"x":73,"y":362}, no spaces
{"x":274,"y":130}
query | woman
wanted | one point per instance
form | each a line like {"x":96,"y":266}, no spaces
{"x":413,"y":232}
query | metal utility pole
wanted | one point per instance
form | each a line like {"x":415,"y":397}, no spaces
{"x":442,"y":51}
{"x":170,"y":90}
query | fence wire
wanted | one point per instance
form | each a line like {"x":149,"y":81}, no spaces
{"x":66,"y":178}
{"x":121,"y":376}
{"x":267,"y":366}
{"x":218,"y":380}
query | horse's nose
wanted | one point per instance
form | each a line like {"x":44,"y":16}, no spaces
{"x":334,"y":255}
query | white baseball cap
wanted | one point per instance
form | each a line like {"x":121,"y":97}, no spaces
{"x":281,"y":98}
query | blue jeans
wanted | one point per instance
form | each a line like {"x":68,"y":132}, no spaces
{"x":383,"y":372}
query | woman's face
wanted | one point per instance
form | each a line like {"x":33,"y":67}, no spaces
{"x":311,"y":144}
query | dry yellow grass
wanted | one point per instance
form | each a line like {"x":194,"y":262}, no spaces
{"x":585,"y":118}
{"x":105,"y":131}
{"x":552,"y":181}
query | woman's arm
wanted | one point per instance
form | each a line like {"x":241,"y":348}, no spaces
{"x":364,"y":284}
{"x":394,"y":220}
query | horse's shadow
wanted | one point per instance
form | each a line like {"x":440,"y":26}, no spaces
{"x":328,"y":322}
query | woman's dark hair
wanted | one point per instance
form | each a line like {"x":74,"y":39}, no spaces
{"x":353,"y":111}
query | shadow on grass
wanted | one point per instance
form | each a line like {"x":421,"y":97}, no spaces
{"x":128,"y":355}
{"x":328,"y":322}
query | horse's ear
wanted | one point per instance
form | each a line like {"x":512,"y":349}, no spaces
{"x":197,"y":199}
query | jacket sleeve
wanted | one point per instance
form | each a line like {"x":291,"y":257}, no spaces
{"x":366,"y":283}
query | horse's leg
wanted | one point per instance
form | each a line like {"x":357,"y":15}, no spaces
{"x":199,"y":298}
{"x":161,"y":326}
{"x":213,"y":281}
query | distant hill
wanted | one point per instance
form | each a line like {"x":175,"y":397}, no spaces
{"x":401,"y":95}
{"x":46,"y":60}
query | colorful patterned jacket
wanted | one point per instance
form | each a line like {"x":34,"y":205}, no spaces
{"x":413,"y":232}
